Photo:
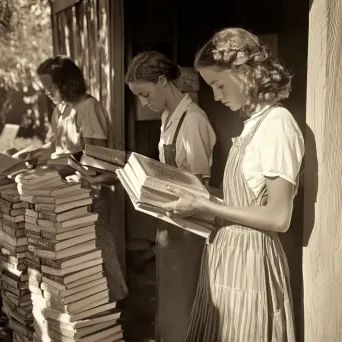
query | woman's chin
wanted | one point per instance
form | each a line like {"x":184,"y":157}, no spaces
{"x":234,"y":108}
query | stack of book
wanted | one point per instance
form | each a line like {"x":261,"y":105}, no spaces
{"x":68,"y":288}
{"x":14,"y":287}
{"x":93,"y":160}
{"x":146,"y":181}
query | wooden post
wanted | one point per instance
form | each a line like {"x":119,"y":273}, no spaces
{"x":322,"y":253}
{"x":116,"y":21}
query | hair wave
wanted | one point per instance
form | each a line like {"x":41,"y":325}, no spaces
{"x":66,"y":75}
{"x":265,"y":79}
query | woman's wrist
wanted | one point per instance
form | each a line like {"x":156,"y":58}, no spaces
{"x":202,"y":205}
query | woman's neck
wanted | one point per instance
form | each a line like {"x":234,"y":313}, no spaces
{"x":174,"y":97}
{"x":260,"y":107}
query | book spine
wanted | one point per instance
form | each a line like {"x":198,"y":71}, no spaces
{"x":45,"y":200}
{"x":15,"y":233}
{"x":5,"y":203}
{"x":45,"y":207}
{"x":14,"y":219}
{"x":13,"y":240}
{"x":32,"y":265}
{"x":40,"y":243}
{"x":56,"y":279}
{"x":52,"y":263}
{"x":30,"y":256}
{"x":108,"y":155}
{"x":31,"y":220}
{"x":47,"y":216}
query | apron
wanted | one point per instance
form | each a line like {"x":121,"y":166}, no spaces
{"x":178,"y":259}
{"x":244,"y":292}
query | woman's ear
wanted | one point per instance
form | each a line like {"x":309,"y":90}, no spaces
{"x":162,"y":80}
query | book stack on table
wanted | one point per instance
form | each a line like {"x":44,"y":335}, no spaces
{"x":15,"y":294}
{"x":65,"y":273}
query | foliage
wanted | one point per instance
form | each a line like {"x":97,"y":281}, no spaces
{"x":25,"y":44}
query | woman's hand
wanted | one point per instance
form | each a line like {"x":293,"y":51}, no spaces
{"x":186,"y":205}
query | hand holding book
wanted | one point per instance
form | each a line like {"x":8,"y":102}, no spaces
{"x":187,"y":205}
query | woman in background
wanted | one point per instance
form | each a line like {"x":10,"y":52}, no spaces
{"x":244,"y":288}
{"x":79,"y":119}
{"x":186,"y":141}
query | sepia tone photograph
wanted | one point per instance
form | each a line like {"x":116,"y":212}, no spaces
{"x":170,"y":171}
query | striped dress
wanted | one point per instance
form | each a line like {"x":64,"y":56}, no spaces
{"x":244,"y":291}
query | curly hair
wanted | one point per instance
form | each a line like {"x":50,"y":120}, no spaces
{"x":148,"y":66}
{"x":265,"y":79}
{"x":66,"y":75}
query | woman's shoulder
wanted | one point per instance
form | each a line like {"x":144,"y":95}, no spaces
{"x":280,"y":113}
{"x":280,"y":119}
{"x":90,"y":105}
{"x":278,"y":129}
{"x":194,"y":113}
{"x":89,"y":101}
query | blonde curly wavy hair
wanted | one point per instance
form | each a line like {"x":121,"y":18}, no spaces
{"x":265,"y":79}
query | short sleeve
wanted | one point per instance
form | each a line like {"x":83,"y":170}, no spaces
{"x":282,"y":148}
{"x":199,"y":139}
{"x":93,"y":120}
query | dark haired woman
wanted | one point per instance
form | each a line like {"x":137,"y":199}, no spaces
{"x":186,"y":141}
{"x":79,"y":119}
{"x":244,"y":288}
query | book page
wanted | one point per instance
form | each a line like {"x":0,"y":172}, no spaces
{"x":167,"y":173}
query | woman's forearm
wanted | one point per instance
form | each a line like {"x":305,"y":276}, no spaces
{"x":258,"y":217}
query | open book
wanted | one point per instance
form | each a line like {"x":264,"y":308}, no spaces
{"x":190,"y":224}
{"x":151,"y":178}
{"x":146,"y":180}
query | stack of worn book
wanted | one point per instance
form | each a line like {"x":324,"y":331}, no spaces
{"x":93,"y":160}
{"x":68,"y":288}
{"x":146,"y":182}
{"x":16,"y":297}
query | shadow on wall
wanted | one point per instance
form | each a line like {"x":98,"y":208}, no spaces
{"x":310,"y":184}
{"x":226,"y":125}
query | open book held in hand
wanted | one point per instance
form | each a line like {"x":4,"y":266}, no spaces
{"x":154,"y":175}
{"x":146,"y":181}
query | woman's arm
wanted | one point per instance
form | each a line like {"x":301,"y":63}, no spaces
{"x":198,"y":141}
{"x":274,"y":216}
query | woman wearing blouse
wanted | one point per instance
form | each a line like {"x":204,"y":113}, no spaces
{"x":80,"y":119}
{"x":186,"y":141}
{"x":244,"y":288}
